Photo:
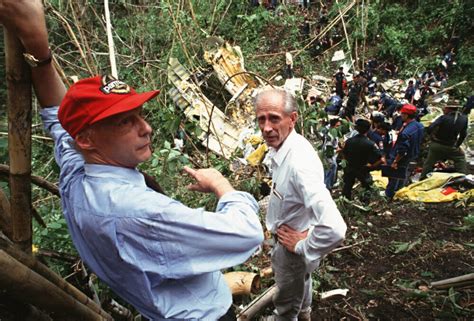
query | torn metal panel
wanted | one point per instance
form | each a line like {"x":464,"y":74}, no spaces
{"x":223,"y":134}
{"x":228,"y":64}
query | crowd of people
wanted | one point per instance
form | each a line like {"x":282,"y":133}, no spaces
{"x":389,"y":129}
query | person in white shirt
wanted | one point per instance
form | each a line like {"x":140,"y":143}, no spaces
{"x":301,"y":215}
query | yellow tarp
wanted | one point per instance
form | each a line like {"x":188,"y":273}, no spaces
{"x":256,"y":157}
{"x":379,"y":181}
{"x":431,"y":190}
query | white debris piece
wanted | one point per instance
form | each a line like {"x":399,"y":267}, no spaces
{"x":332,"y":293}
{"x":338,"y":55}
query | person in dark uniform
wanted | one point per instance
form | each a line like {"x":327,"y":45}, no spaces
{"x":410,"y":92}
{"x":466,"y":109}
{"x":447,"y":134}
{"x":362,"y":155}
{"x":385,"y":145}
{"x":405,"y":150}
{"x":387,"y":104}
{"x":339,"y":79}
{"x":354,"y":96}
{"x":421,"y":103}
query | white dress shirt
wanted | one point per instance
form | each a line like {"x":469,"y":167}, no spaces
{"x":300,"y":199}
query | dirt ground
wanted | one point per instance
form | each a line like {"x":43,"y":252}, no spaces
{"x":398,"y":252}
{"x":389,"y":259}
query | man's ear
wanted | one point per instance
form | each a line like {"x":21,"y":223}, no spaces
{"x":294,"y":117}
{"x":84,"y":140}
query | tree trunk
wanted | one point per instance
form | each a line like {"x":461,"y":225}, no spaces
{"x":19,"y":140}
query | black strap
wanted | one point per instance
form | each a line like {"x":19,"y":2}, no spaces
{"x":151,"y":182}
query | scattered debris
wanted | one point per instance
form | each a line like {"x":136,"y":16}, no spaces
{"x":334,"y":293}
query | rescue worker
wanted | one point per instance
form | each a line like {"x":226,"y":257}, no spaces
{"x":447,"y":134}
{"x":405,"y":150}
{"x":339,"y":78}
{"x":362,"y":155}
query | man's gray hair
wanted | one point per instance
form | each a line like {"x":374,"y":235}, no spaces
{"x":289,"y":100}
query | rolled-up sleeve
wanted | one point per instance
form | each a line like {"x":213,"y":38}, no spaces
{"x":330,"y":228}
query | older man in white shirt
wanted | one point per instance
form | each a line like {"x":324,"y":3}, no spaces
{"x":301,"y":214}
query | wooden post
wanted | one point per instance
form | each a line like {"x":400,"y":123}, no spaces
{"x":19,"y":140}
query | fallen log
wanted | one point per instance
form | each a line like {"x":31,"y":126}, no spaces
{"x":455,"y":282}
{"x":242,"y":283}
{"x":26,"y":285}
{"x":258,"y":304}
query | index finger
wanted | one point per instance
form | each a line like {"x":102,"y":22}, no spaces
{"x":190,"y":171}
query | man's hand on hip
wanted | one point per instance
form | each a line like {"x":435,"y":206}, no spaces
{"x":288,"y":237}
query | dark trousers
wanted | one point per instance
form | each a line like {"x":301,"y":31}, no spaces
{"x":350,"y":175}
{"x":396,"y":183}
{"x":229,"y":316}
{"x":439,"y":152}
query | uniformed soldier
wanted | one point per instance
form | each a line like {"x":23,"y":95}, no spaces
{"x":447,"y":134}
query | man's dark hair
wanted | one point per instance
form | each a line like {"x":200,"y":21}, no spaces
{"x":334,"y":121}
{"x":410,"y":82}
{"x":385,"y":126}
{"x":378,"y":119}
{"x":362,"y":126}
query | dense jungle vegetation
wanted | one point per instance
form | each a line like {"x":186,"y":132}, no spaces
{"x":412,"y":34}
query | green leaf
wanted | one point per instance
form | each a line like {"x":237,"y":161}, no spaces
{"x":54,"y":225}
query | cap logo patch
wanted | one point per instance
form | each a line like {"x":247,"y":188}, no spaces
{"x":110,"y":85}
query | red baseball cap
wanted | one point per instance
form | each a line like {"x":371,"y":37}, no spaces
{"x":408,"y":109}
{"x":92,"y":99}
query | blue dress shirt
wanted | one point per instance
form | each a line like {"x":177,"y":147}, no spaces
{"x":156,"y":253}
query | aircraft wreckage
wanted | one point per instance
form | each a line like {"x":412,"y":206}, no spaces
{"x":231,"y":124}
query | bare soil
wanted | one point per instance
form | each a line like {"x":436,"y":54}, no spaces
{"x":387,"y":285}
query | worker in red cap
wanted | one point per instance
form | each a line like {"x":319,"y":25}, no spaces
{"x":405,"y":149}
{"x":156,"y":253}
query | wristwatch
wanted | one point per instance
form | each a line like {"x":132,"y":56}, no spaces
{"x":35,"y":62}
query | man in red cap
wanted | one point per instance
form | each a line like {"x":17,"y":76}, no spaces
{"x":405,"y":150}
{"x":159,"y":255}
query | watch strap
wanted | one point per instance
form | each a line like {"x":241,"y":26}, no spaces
{"x":35,"y":62}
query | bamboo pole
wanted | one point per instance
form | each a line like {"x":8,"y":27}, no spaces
{"x":28,"y":286}
{"x":258,"y":304}
{"x":320,"y":35}
{"x":110,"y":40}
{"x":32,"y":263}
{"x":38,"y":181}
{"x":19,"y":140}
{"x":345,"y":32}
{"x":467,"y":279}
{"x":5,"y":217}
